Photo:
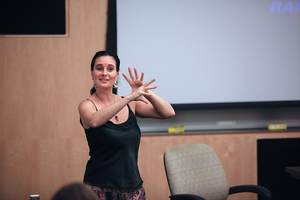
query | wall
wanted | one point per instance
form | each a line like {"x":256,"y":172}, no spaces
{"x":42,"y":145}
{"x":225,"y":119}
{"x":42,"y":81}
{"x":237,"y":152}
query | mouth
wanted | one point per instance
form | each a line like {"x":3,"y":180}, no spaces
{"x":102,"y":79}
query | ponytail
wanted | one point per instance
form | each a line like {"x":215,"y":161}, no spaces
{"x":92,"y":91}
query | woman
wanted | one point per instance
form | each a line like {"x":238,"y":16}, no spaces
{"x":111,"y":129}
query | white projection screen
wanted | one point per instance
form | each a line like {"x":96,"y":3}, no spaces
{"x":212,"y":51}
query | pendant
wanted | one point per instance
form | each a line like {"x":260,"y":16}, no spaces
{"x":116,"y":117}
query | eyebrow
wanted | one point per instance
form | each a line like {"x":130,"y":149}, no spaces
{"x":109,"y":65}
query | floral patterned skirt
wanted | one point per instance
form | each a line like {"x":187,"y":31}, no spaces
{"x":120,"y":193}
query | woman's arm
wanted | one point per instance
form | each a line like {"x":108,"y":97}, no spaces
{"x":92,"y":118}
{"x":157,"y":108}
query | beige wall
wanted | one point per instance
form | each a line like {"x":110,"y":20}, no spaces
{"x":237,"y":152}
{"x":42,"y":81}
{"x":42,"y":145}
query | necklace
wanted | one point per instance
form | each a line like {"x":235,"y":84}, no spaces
{"x":116,"y":117}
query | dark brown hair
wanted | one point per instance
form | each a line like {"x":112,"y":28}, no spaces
{"x":75,"y":191}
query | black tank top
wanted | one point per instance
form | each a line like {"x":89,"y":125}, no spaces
{"x":114,"y":154}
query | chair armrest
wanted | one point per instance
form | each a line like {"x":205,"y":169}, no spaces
{"x":262,"y":191}
{"x":185,"y":197}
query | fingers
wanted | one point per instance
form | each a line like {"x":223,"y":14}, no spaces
{"x":130,"y":73}
{"x":150,"y":88}
{"x":150,"y":82}
{"x":136,"y":74}
{"x":145,"y":92}
{"x":127,"y":79}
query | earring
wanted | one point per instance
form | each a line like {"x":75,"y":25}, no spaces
{"x":115,"y":85}
{"x":95,"y":87}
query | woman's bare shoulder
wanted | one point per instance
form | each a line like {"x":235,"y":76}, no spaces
{"x":86,"y":104}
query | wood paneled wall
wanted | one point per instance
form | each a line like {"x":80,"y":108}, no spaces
{"x":43,"y":146}
{"x":237,"y":152}
{"x":42,"y":81}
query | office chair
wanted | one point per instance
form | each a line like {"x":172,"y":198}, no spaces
{"x":195,"y":172}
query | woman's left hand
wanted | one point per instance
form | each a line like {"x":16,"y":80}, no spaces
{"x":157,"y":108}
{"x":136,"y":82}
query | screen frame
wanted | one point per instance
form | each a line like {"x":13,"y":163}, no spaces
{"x":111,"y":44}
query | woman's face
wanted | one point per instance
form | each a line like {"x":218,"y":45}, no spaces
{"x":105,"y":72}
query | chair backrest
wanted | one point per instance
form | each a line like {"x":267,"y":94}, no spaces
{"x":196,"y":169}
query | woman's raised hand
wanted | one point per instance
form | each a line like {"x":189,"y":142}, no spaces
{"x":139,"y":89}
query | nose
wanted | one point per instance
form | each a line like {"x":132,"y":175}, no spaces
{"x":104,"y":72}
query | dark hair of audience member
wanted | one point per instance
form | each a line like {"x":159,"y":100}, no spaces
{"x":75,"y":191}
